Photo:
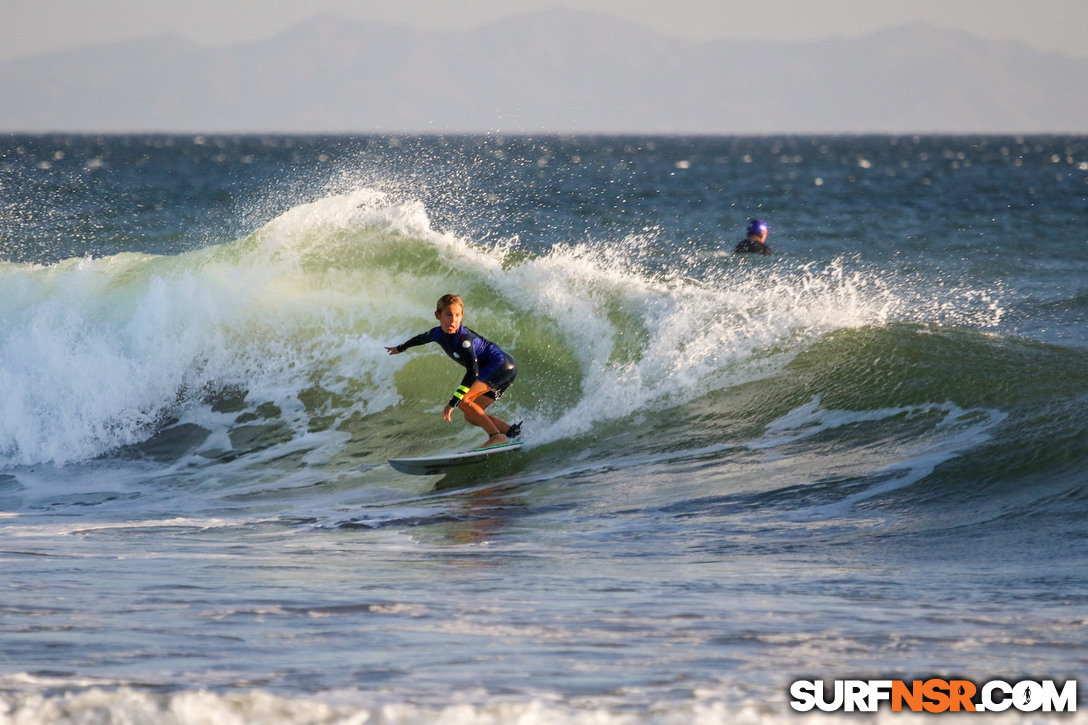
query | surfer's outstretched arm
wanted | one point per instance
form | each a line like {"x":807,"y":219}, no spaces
{"x":421,"y":339}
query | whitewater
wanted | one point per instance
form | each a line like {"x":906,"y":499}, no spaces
{"x":860,"y":457}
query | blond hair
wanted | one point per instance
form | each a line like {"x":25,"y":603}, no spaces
{"x":447,"y":301}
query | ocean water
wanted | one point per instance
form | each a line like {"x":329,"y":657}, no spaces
{"x":865,"y":456}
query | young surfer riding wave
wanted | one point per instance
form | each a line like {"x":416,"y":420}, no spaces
{"x":489,"y":371}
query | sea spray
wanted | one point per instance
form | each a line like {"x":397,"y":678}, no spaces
{"x":102,"y":351}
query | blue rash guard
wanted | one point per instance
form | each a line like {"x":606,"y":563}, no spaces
{"x":482,"y":359}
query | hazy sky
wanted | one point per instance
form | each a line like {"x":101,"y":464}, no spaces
{"x":30,"y":27}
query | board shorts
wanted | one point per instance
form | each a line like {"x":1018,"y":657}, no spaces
{"x":499,"y":377}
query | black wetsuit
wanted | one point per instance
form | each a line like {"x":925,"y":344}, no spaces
{"x":482,"y":359}
{"x":752,"y":244}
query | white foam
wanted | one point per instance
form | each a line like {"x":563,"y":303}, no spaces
{"x":691,"y":335}
{"x":27,"y":706}
{"x":93,"y":353}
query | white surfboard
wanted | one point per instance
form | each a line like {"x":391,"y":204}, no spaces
{"x":431,"y":465}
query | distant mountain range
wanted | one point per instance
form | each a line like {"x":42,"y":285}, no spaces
{"x":555,"y":71}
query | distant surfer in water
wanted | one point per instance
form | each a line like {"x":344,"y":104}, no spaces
{"x":488,"y":370}
{"x":756,"y":241}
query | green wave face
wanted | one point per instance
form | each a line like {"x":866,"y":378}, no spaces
{"x":273,"y":346}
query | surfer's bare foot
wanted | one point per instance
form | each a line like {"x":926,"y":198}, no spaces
{"x":497,"y":440}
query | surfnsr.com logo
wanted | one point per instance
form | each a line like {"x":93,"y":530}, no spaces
{"x":934,"y":695}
